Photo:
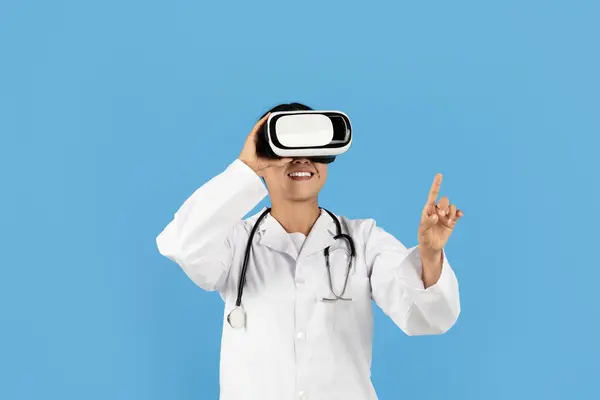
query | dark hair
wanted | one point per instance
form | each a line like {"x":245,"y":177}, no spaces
{"x":288,"y":107}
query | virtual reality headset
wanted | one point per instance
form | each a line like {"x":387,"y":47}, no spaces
{"x":317,"y":135}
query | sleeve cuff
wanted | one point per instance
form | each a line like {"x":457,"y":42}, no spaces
{"x":247,"y":174}
{"x":445,"y":280}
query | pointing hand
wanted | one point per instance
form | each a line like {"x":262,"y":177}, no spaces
{"x":437,"y":220}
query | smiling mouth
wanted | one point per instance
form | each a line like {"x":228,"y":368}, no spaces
{"x":300,"y":176}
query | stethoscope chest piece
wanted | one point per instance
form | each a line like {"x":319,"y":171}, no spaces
{"x":237,"y":318}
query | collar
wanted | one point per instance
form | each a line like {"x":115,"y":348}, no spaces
{"x":272,"y":235}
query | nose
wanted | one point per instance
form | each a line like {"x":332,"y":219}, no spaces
{"x":301,"y":161}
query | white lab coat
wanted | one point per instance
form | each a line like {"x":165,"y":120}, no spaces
{"x":294,"y":345}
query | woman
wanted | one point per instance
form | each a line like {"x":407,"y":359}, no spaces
{"x":300,"y":340}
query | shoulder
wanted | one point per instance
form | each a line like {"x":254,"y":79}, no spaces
{"x":245,"y":225}
{"x":370,"y":233}
{"x":239,"y":232}
{"x":251,"y":219}
{"x":359,"y":227}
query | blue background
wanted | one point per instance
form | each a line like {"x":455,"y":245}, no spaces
{"x":113,"y":112}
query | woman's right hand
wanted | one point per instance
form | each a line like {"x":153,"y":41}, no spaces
{"x":249,"y":157}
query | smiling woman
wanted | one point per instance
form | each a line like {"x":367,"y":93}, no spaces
{"x":309,"y":275}
{"x":297,"y":180}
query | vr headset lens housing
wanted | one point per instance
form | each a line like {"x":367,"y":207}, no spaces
{"x":316,"y":135}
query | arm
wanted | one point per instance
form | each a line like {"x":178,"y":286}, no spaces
{"x":398,"y":288}
{"x":201,"y":235}
{"x":432,"y":262}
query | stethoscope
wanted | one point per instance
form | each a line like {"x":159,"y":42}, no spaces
{"x":237,"y":317}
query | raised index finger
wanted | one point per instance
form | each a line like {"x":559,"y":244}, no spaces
{"x":435,"y":189}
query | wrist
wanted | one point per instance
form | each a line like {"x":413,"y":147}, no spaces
{"x":249,"y":163}
{"x":431,"y":261}
{"x":430,"y":255}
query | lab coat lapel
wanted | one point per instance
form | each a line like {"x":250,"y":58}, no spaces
{"x":320,"y":236}
{"x":273,"y":236}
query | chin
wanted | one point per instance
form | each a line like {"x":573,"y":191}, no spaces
{"x":302,"y":197}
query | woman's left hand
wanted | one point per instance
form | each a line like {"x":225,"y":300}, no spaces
{"x":437,"y":220}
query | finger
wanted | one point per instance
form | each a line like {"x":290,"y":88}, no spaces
{"x":430,"y":219}
{"x":452,"y":212}
{"x":444,"y":216}
{"x":259,"y":124}
{"x":435,"y":189}
{"x":457,"y":216}
{"x":446,"y":221}
{"x":451,"y":223}
{"x":429,"y":210}
{"x":442,"y":206}
{"x":451,"y":215}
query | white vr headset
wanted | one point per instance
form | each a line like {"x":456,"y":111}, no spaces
{"x":313,"y":134}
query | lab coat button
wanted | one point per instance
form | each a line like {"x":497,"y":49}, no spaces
{"x":302,"y":395}
{"x":301,"y":335}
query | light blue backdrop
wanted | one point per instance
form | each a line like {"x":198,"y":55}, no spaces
{"x":113,"y":112}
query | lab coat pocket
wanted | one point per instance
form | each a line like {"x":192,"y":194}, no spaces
{"x":344,"y":293}
{"x":349,"y":315}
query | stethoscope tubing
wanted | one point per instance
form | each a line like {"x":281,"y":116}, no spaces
{"x":339,"y":235}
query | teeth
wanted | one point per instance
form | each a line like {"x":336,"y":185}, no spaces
{"x":299,"y":174}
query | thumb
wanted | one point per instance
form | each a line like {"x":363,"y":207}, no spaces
{"x":433,"y":219}
{"x":430,"y":217}
{"x":428,"y":223}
